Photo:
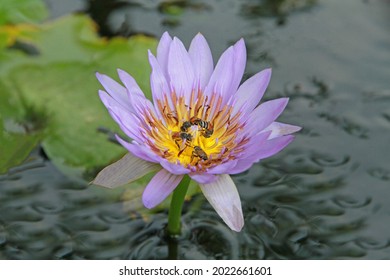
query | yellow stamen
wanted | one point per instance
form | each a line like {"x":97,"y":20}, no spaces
{"x":207,"y":139}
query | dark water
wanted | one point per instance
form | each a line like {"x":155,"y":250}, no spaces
{"x":326,"y":196}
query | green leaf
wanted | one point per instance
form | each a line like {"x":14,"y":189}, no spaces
{"x":15,"y":145}
{"x":61,"y":82}
{"x":18,"y":11}
{"x":20,"y":129}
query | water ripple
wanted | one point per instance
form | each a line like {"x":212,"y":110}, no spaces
{"x":351,"y":202}
{"x":380,"y":173}
{"x":47,"y":207}
{"x":328,"y":160}
{"x":372,"y":244}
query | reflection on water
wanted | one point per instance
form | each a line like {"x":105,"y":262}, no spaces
{"x":325,"y":197}
{"x":279,"y":9}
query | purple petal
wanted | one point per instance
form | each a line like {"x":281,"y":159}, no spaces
{"x":126,"y":120}
{"x":115,"y":90}
{"x":129,"y":82}
{"x":141,"y":105}
{"x":161,"y":185}
{"x":221,"y":79}
{"x":126,"y":170}
{"x":264,"y":115}
{"x":202,"y":60}
{"x":158,"y":82}
{"x":241,"y":166}
{"x":180,"y":69}
{"x":279,"y":129}
{"x":258,"y":152}
{"x":108,"y":101}
{"x":163,"y":51}
{"x":254,"y":145}
{"x":223,"y":168}
{"x":140,"y":151}
{"x":251,"y":91}
{"x":203,"y":178}
{"x":271,"y":147}
{"x":239,"y":63}
{"x":223,"y":196}
{"x":173,"y":168}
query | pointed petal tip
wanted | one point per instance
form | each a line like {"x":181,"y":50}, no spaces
{"x":199,"y":36}
{"x":238,"y":223}
{"x":281,"y":102}
{"x":103,"y":96}
{"x":98,"y":75}
{"x":121,"y":71}
{"x":240,"y":46}
{"x":166,"y":33}
{"x":176,"y":40}
{"x":267,"y":71}
{"x":152,"y":59}
{"x":240,"y":42}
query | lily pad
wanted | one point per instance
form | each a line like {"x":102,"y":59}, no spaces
{"x":20,"y":129}
{"x":18,"y":11}
{"x":15,"y":146}
{"x":61,"y":82}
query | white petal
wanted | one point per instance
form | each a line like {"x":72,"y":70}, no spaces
{"x":223,"y":196}
{"x":124,"y":171}
{"x":279,"y":129}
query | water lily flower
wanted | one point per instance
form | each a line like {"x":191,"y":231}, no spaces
{"x":201,"y":123}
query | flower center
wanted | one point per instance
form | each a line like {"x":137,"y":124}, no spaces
{"x":196,"y":133}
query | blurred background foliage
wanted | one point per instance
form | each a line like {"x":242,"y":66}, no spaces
{"x":48,"y":90}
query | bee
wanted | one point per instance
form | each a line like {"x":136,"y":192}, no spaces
{"x":208,"y":128}
{"x":186,"y":125}
{"x":182,"y":135}
{"x":198,"y":152}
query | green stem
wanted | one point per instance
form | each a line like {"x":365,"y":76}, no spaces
{"x":174,"y":216}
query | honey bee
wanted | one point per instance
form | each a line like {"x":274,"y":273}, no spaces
{"x":198,"y":152}
{"x":182,"y":135}
{"x":186,"y":125}
{"x":208,"y":128}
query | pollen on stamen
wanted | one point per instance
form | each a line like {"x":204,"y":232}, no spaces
{"x":197,"y":134}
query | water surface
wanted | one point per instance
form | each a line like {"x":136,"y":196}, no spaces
{"x":324,"y":197}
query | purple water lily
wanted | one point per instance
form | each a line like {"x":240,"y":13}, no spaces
{"x":201,"y":123}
